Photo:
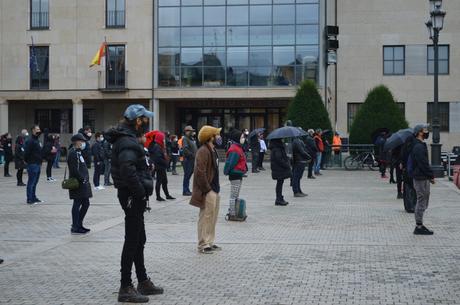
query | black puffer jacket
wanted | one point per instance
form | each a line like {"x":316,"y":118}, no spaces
{"x":78,"y":170}
{"x":311,"y":147}
{"x":33,"y":150}
{"x":422,"y":169}
{"x":299,"y":152}
{"x":279,"y":161}
{"x":87,"y":151}
{"x":19,"y":153}
{"x":157,"y":156}
{"x":129,"y":165}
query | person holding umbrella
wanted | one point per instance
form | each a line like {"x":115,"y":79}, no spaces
{"x":254,"y":144}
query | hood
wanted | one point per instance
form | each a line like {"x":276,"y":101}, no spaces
{"x":235,"y":135}
{"x":160,"y":139}
{"x":150,"y":137}
{"x":82,"y":131}
{"x":113,"y":134}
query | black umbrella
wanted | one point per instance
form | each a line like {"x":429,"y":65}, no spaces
{"x":327,"y":132}
{"x":286,"y":132}
{"x":398,"y":138}
{"x":256,"y":132}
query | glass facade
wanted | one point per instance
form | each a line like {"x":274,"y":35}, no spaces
{"x":237,"y":43}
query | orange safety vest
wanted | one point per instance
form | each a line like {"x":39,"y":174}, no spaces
{"x":336,"y":143}
{"x":179,"y":142}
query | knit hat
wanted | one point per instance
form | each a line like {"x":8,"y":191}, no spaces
{"x":207,"y":132}
{"x":235,"y":135}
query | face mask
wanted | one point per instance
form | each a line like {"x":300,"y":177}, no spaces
{"x":89,"y":134}
{"x":38,"y":134}
{"x":145,"y":126}
{"x":101,"y":139}
{"x":242,"y":141}
{"x":426,"y":135}
{"x":83,"y":146}
{"x":219,"y":141}
{"x":26,"y":134}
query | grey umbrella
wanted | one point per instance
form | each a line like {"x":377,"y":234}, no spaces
{"x":256,"y":132}
{"x":398,"y":138}
{"x":286,"y":132}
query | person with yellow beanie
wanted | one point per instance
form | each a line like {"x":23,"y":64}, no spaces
{"x":206,"y":187}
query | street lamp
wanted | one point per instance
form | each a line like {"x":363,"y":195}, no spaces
{"x":435,"y":25}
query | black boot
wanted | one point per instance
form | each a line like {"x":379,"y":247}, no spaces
{"x":129,"y":294}
{"x":170,"y":197}
{"x":148,"y":288}
{"x":159,"y":198}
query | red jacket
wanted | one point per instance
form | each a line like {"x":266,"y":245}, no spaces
{"x":241,"y":165}
{"x":319,"y":143}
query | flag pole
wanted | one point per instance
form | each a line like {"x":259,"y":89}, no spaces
{"x":107,"y":53}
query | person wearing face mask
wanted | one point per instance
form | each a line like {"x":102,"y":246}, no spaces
{"x":33,"y":158}
{"x":189,"y":149}
{"x":6,"y":144}
{"x":175,"y":153}
{"x":87,"y":133}
{"x":98,"y":157}
{"x":19,"y":162}
{"x":159,"y":157}
{"x":49,"y":154}
{"x":235,"y":168}
{"x":81,"y":195}
{"x":206,"y":188}
{"x":107,"y":149}
{"x":420,"y":170}
{"x":134,"y":183}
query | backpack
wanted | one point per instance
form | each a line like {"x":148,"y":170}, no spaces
{"x":240,"y":211}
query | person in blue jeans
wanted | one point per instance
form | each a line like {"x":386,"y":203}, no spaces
{"x":33,"y":158}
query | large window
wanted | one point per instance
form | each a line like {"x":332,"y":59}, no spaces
{"x":239,"y":43}
{"x":39,"y":14}
{"x":39,"y":67}
{"x":115,"y":14}
{"x":55,"y":120}
{"x":443,"y":53}
{"x":115,"y":67}
{"x":394,"y":60}
{"x":444,"y":114}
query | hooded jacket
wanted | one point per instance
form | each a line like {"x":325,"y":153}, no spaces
{"x":279,"y":161}
{"x":422,"y":169}
{"x":129,"y":167}
{"x":157,"y":152}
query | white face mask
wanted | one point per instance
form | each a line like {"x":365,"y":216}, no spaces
{"x":101,"y":139}
{"x":83,"y":146}
{"x":242,"y":141}
{"x":26,"y":134}
{"x":89,"y":134}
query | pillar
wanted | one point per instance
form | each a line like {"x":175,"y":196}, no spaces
{"x":156,"y":114}
{"x":77,"y":115}
{"x":4,"y":124}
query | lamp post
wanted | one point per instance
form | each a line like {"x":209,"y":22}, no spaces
{"x":435,"y":25}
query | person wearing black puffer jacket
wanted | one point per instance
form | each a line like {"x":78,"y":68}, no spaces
{"x":19,"y":162}
{"x":87,"y":133}
{"x":132,"y":178}
{"x":281,"y":169}
{"x":49,"y":154}
{"x":300,"y":158}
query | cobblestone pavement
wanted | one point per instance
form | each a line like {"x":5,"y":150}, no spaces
{"x":348,"y":242}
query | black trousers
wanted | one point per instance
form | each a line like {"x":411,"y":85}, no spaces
{"x":297,"y":173}
{"x":261,"y":159}
{"x":98,"y":171}
{"x":135,"y":238}
{"x":255,"y":160}
{"x":6,"y":169}
{"x":79,"y":208}
{"x":49,"y":166}
{"x":19,"y":175}
{"x":161,"y":182}
{"x":399,"y":178}
{"x":310,"y":168}
{"x":279,"y":189}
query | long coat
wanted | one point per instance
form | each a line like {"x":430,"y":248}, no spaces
{"x":205,"y":169}
{"x":279,"y":161}
{"x":77,"y":169}
{"x":19,"y":153}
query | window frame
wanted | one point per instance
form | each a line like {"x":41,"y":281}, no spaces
{"x":442,"y":127}
{"x":428,"y":60}
{"x":40,"y":27}
{"x":394,"y":60}
{"x":115,"y":25}
{"x":349,"y":121}
{"x":31,"y":87}
{"x":107,"y":61}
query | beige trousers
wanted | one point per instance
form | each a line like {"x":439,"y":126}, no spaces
{"x":207,"y":221}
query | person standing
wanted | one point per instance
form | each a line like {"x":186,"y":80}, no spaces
{"x":383,"y":155}
{"x":423,"y":176}
{"x":159,"y":157}
{"x":97,"y":151}
{"x":107,"y":153}
{"x":263,"y":150}
{"x":281,"y":168}
{"x":255,"y":151}
{"x":337,"y":148}
{"x":175,"y":153}
{"x":81,"y":195}
{"x":57,"y":144}
{"x":235,"y":168}
{"x":206,"y":188}
{"x":87,"y":133}
{"x":312,"y":150}
{"x":19,"y":162}
{"x":396,"y":165}
{"x":320,"y":149}
{"x":49,"y":154}
{"x":134,"y":183}
{"x":6,"y":143}
{"x":300,"y":158}
{"x":189,"y":149}
{"x":33,"y":159}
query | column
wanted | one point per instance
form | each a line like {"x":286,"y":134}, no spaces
{"x":77,"y":115}
{"x":4,"y":116}
{"x":156,"y":114}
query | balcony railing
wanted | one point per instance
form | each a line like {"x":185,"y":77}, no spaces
{"x":118,"y":83}
{"x":115,"y":19}
{"x":39,"y":20}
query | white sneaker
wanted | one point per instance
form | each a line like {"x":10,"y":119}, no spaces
{"x":99,"y":188}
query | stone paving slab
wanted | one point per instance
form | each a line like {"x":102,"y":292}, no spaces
{"x":348,"y":242}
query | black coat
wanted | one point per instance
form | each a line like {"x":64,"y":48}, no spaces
{"x":47,"y":153}
{"x":311,"y":147}
{"x":107,"y":147}
{"x":281,"y":169}
{"x":33,"y":151}
{"x":78,"y":169}
{"x":421,"y":164}
{"x":19,"y":153}
{"x":7,"y":149}
{"x":97,"y":151}
{"x":299,"y":152}
{"x":129,"y":165}
{"x":157,"y":156}
{"x":87,"y":151}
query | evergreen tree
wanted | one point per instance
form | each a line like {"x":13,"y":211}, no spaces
{"x":378,"y":111}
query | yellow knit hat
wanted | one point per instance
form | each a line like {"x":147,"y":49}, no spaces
{"x":207,"y":132}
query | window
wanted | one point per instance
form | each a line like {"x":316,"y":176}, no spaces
{"x":89,"y":118}
{"x":402,"y":107}
{"x":55,"y":120}
{"x":352,"y":110}
{"x":443,"y":52}
{"x":39,"y":14}
{"x":115,"y":14}
{"x":443,"y":115}
{"x":394,"y":60}
{"x":115,"y":67}
{"x":39,"y":67}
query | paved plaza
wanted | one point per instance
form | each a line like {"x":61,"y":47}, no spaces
{"x":348,"y":242}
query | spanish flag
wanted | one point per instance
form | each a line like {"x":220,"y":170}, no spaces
{"x":97,"y":58}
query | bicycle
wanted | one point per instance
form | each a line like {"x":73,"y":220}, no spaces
{"x":362,"y":159}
